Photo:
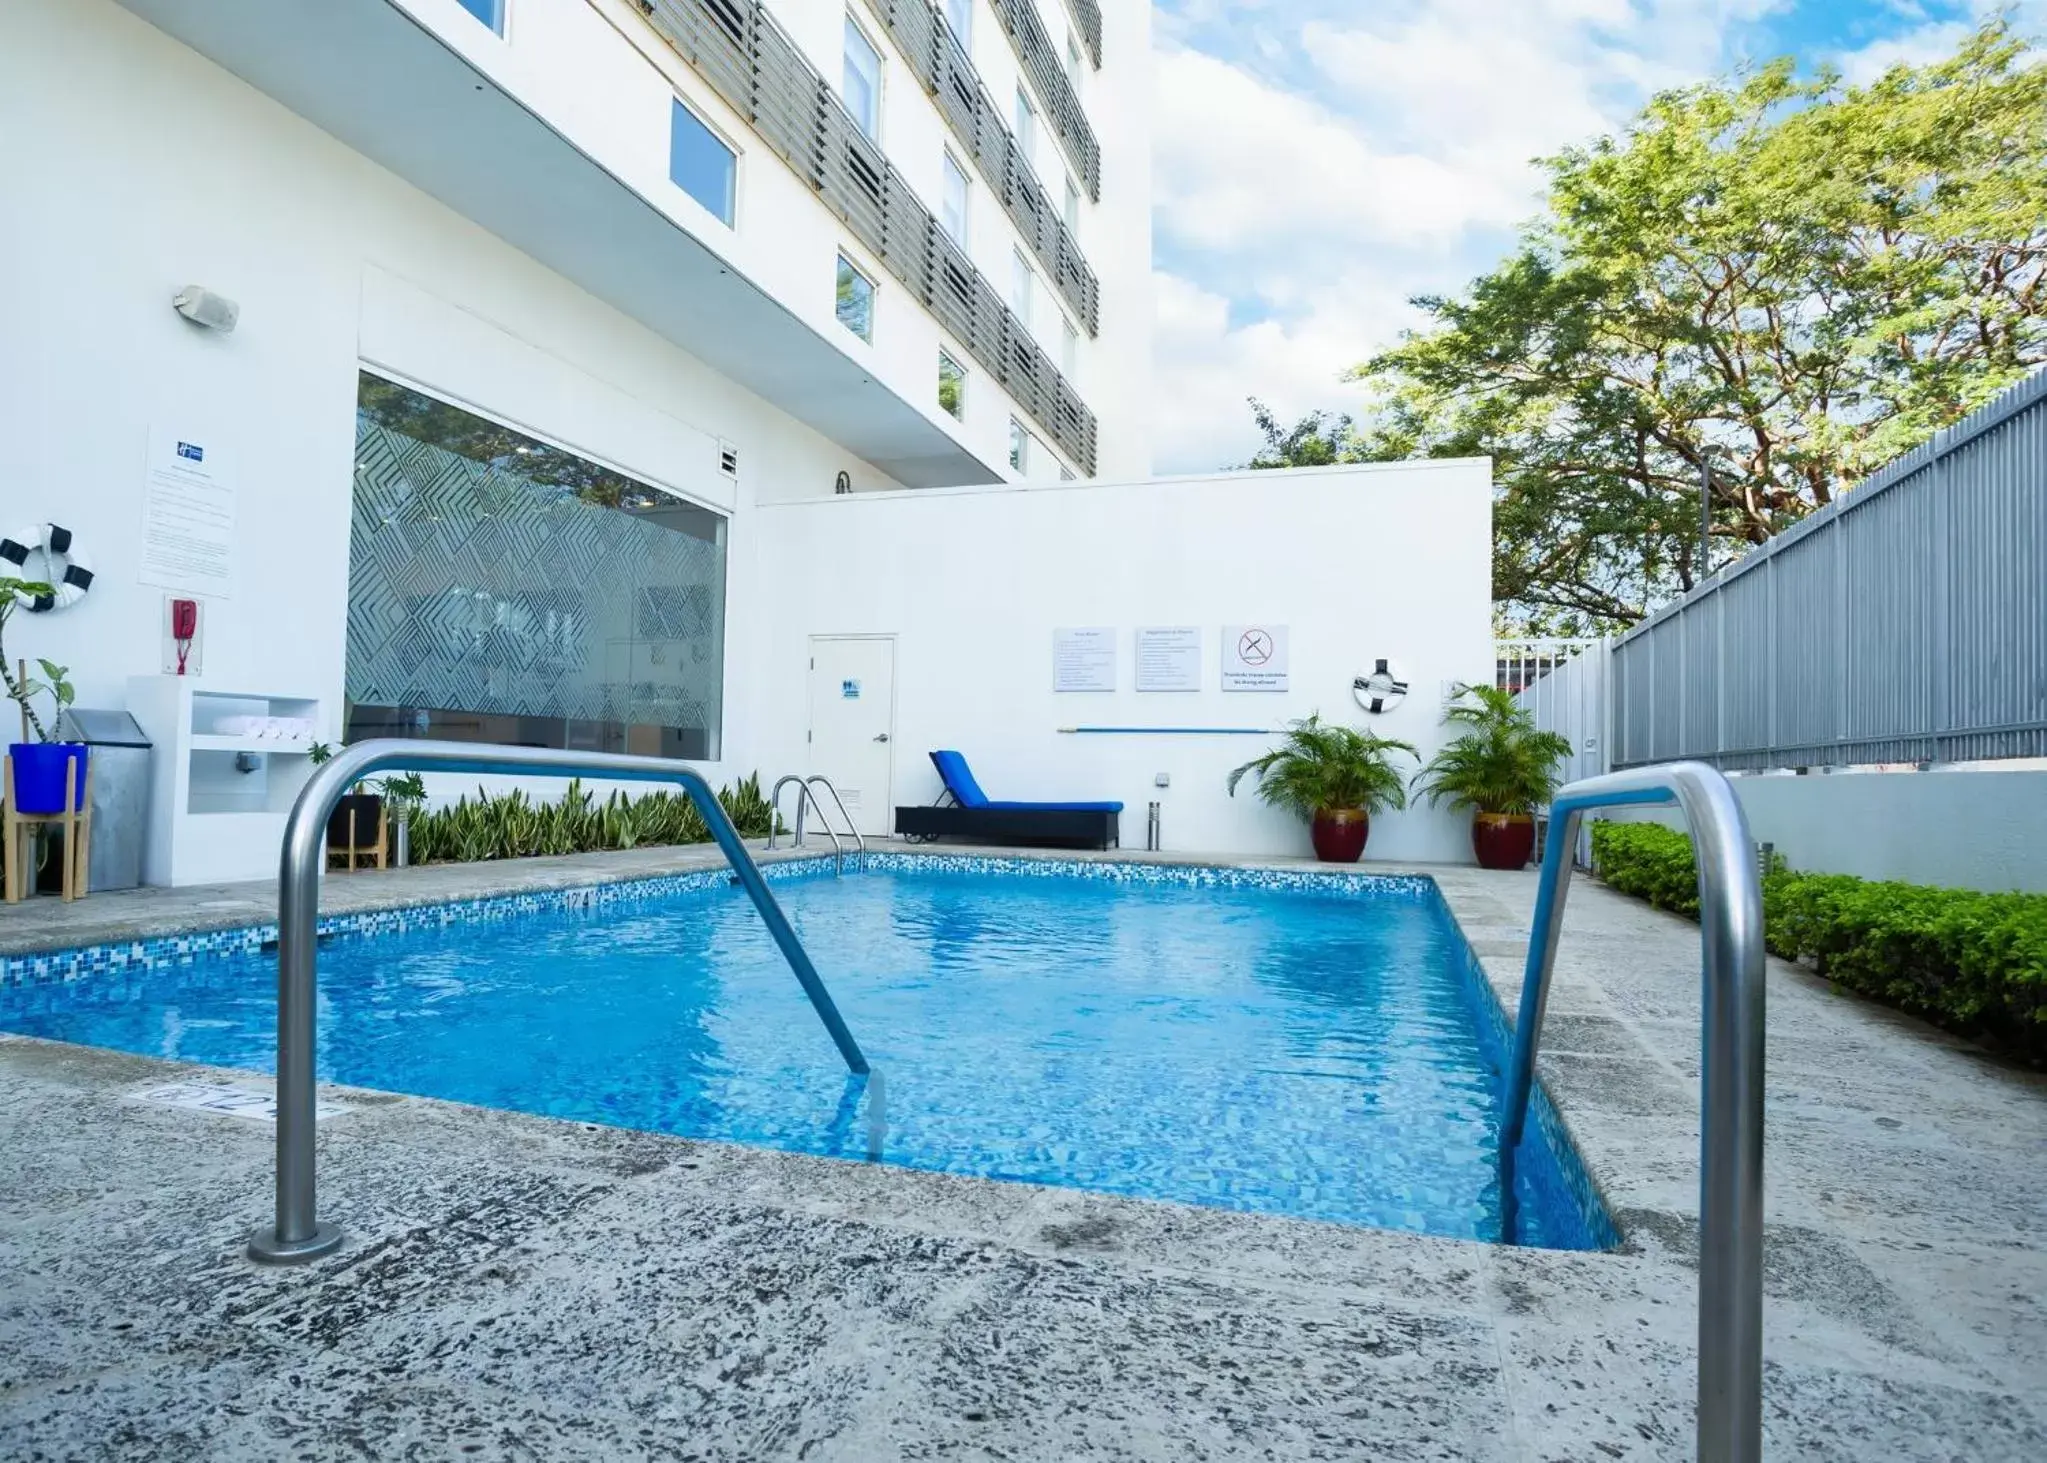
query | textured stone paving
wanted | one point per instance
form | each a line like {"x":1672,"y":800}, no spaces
{"x":520,"y":1288}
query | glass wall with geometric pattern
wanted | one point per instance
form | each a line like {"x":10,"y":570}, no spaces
{"x":503,"y":589}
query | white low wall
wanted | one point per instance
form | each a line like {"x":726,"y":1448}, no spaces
{"x":1358,"y":562}
{"x":1957,"y":830}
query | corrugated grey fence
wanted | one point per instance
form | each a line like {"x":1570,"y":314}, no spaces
{"x":1904,"y":622}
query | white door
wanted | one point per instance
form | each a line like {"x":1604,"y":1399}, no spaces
{"x":852,"y":723}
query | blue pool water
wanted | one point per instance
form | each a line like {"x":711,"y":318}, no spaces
{"x":1322,"y":1053}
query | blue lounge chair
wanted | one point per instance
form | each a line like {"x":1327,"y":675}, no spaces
{"x":973,"y":815}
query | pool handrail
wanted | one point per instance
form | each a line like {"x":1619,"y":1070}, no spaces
{"x":806,"y":798}
{"x":1730,"y":1387}
{"x":298,"y":1234}
{"x":818,"y":779}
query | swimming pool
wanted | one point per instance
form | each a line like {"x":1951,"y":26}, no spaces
{"x":1322,"y":1047}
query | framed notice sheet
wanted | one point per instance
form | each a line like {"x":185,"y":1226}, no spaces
{"x":1254,"y":658}
{"x":1084,"y":659}
{"x":1169,"y":658}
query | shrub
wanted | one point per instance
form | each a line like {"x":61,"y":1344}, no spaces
{"x":512,"y":825}
{"x":1974,"y":963}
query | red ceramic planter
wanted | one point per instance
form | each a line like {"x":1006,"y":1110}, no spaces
{"x":1502,"y":840}
{"x":1340,"y":834}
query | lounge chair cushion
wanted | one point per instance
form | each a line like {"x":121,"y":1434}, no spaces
{"x":959,"y":781}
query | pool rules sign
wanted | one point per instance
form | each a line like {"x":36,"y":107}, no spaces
{"x":1254,"y":658}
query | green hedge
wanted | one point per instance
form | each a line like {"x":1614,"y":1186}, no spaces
{"x":1974,"y":963}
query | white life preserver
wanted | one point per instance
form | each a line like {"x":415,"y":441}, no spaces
{"x":1381,"y":689}
{"x":65,"y":569}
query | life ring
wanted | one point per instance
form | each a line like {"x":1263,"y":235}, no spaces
{"x":1380,"y":690}
{"x":56,"y":544}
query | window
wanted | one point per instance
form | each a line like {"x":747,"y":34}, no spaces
{"x":504,"y":589}
{"x":862,"y":81}
{"x":959,"y":14}
{"x":1026,"y":127}
{"x":1069,"y":349}
{"x":490,"y":12}
{"x":1073,"y":60}
{"x":1019,"y":446}
{"x":952,"y":386}
{"x":1065,"y":473}
{"x":700,"y":164}
{"x":1072,"y":210}
{"x":952,"y":200}
{"x":1022,"y":288}
{"x":856,"y":300}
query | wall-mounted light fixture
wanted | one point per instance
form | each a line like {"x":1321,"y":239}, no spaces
{"x":204,"y":307}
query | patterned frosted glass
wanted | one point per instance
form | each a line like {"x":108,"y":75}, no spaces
{"x":503,"y":589}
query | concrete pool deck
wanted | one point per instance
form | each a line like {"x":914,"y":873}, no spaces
{"x":520,"y":1287}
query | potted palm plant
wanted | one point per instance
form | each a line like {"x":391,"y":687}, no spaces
{"x":1334,"y":776}
{"x":1502,"y":767}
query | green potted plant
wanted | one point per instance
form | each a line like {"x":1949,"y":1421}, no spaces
{"x":1334,"y":776}
{"x":357,"y":815}
{"x":39,"y":766}
{"x":1501,"y":766}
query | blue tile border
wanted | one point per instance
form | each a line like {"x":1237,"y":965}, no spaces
{"x":1337,"y":880}
{"x":159,"y":952}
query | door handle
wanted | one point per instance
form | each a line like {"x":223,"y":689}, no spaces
{"x":882,"y":737}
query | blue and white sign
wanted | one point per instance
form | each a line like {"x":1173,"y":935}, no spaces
{"x":849,"y":689}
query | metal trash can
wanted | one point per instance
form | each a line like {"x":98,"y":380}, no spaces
{"x":120,"y":794}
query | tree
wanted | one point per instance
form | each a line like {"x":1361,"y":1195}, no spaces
{"x":1319,"y":439}
{"x":1796,"y":280}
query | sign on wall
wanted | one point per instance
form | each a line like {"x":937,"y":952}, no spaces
{"x":1084,"y":659}
{"x":188,"y":515}
{"x":1254,"y":657}
{"x":1169,"y":658}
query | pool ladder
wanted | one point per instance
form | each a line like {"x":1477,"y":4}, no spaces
{"x":1730,"y":1406}
{"x":805,"y":795}
{"x":297,"y":1234}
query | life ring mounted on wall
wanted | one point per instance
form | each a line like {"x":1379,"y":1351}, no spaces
{"x":1380,"y":689}
{"x":59,"y":547}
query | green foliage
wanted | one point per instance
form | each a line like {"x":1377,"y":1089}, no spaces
{"x":1323,"y":766}
{"x":23,"y":691}
{"x":1502,"y":763}
{"x":513,"y":825}
{"x":1318,"y":439}
{"x":1972,"y":962}
{"x":1794,"y":279}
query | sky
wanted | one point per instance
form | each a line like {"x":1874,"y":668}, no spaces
{"x":1317,"y":163}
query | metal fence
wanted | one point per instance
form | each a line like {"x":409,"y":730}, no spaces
{"x":1047,"y":70}
{"x":737,"y":47}
{"x":1905,"y":622}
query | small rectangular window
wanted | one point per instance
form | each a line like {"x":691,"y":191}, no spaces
{"x":1019,"y":446}
{"x":952,"y":202}
{"x":856,"y":300}
{"x":1069,"y":349}
{"x":952,"y":386}
{"x":490,"y":12}
{"x":700,"y":164}
{"x":1026,"y":127}
{"x":1022,"y":288}
{"x":959,"y":14}
{"x":1072,"y":210}
{"x":1073,"y":60}
{"x":862,"y":80}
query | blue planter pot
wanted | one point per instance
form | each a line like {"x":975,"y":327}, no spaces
{"x":39,"y":774}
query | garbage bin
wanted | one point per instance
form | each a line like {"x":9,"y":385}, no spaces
{"x":120,"y":794}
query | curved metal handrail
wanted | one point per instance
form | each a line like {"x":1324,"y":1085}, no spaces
{"x":1730,"y":1417}
{"x":298,"y":1234}
{"x":803,"y":795}
{"x":859,"y":838}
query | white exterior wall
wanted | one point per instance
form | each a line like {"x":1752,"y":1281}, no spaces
{"x":972,"y":583}
{"x":333,"y":261}
{"x":1956,"y":830}
{"x":598,"y":72}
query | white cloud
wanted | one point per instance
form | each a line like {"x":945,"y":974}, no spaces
{"x":1310,"y":215}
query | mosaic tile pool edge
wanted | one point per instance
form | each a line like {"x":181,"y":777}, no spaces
{"x":47,"y":966}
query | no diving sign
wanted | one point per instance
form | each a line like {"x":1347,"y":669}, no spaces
{"x":1254,"y":657}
